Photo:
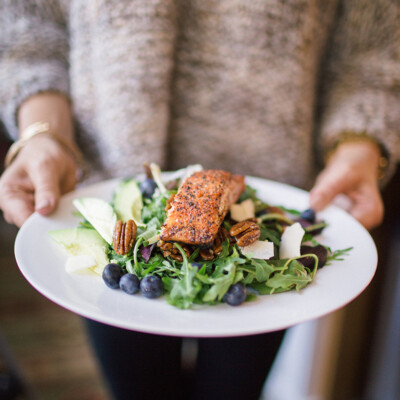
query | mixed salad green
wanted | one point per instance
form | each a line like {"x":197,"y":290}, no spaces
{"x":236,"y":274}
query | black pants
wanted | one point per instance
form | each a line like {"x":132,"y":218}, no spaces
{"x":142,"y":366}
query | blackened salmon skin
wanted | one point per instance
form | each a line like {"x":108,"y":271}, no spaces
{"x":200,"y":206}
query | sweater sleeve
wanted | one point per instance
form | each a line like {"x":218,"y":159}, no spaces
{"x":362,"y":80}
{"x":33,"y":54}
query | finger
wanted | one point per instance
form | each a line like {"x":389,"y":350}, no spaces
{"x":329,"y":184}
{"x":16,"y":195}
{"x":69,"y":181}
{"x":368,"y":208}
{"x":45,"y":179}
{"x":18,"y":209}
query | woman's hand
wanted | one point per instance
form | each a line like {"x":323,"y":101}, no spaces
{"x":42,"y":171}
{"x":352,"y":170}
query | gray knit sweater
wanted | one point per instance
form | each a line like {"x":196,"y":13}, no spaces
{"x":252,"y":86}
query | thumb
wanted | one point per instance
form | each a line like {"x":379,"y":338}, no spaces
{"x":46,"y":185}
{"x":329,"y":184}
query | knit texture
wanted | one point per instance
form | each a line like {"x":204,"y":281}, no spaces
{"x":255,"y":87}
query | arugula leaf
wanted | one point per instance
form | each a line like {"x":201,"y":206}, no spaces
{"x":288,"y":282}
{"x":225,"y":249}
{"x":194,"y":255}
{"x":308,"y":237}
{"x":292,"y":211}
{"x":316,"y":227}
{"x":261,"y":288}
{"x":287,"y":275}
{"x":250,"y":193}
{"x":270,"y":234}
{"x":277,"y":217}
{"x":238,"y":277}
{"x":249,"y":278}
{"x":223,"y":276}
{"x":263,"y":270}
{"x":338,"y":254}
{"x":154,"y":209}
{"x":184,"y":291}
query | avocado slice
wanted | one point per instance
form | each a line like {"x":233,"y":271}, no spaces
{"x":128,"y":202}
{"x":82,"y":242}
{"x":100,"y":214}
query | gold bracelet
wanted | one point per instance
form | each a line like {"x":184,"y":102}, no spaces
{"x":40,"y":128}
{"x":354,"y":137}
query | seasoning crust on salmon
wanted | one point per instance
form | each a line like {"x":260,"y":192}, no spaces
{"x":200,"y":206}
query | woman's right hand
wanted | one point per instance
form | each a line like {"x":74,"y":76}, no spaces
{"x":42,"y":171}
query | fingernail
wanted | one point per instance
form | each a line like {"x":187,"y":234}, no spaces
{"x":43,"y":204}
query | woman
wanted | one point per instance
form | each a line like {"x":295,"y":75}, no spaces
{"x":255,"y":88}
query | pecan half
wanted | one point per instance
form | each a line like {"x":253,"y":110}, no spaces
{"x":207,"y":254}
{"x":124,"y":236}
{"x":169,"y":250}
{"x":245,"y":232}
{"x":222,"y":235}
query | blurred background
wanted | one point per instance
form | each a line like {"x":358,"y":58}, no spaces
{"x":352,"y":354}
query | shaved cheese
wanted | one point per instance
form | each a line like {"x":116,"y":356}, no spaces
{"x":260,"y":249}
{"x":291,"y":241}
{"x":242,"y":211}
{"x":78,"y":263}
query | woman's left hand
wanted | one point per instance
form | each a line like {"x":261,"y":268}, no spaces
{"x":352,"y":170}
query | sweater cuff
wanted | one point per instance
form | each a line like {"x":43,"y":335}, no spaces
{"x":370,"y":112}
{"x":26,"y":82}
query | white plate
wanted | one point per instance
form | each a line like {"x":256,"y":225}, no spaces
{"x":42,"y":263}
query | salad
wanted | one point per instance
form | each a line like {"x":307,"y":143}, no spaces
{"x":259,"y":248}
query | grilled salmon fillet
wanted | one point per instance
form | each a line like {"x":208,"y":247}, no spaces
{"x":200,"y":206}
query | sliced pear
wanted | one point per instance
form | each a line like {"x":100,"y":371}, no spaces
{"x":100,"y":214}
{"x":79,"y":263}
{"x":82,"y":242}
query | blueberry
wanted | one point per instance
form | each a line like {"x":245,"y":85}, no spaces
{"x":151,"y":286}
{"x":111,"y":275}
{"x":236,"y":294}
{"x":308,"y":215}
{"x":129,"y":283}
{"x":197,"y":265}
{"x":147,"y":187}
